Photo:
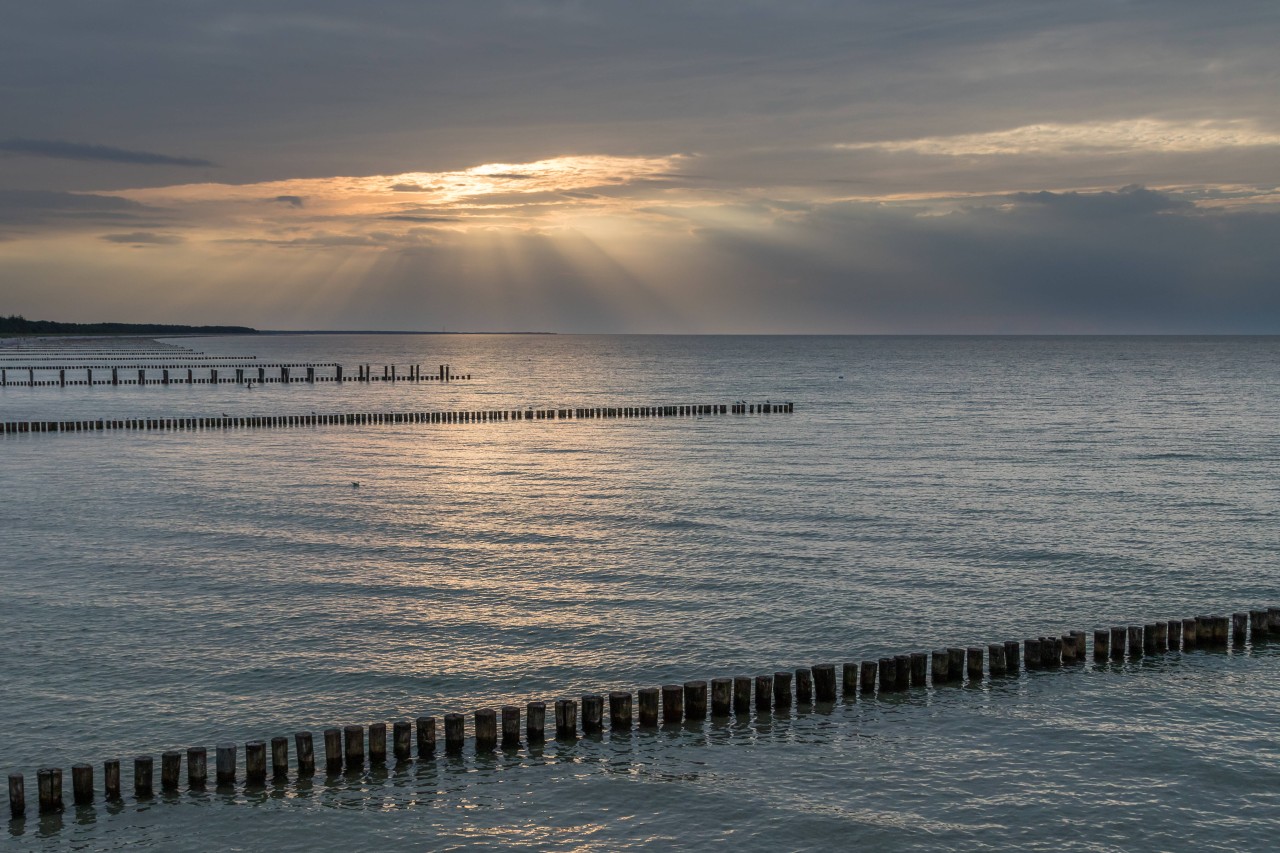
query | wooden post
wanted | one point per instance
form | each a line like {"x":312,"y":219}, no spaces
{"x":82,"y":784}
{"x":848,"y":681}
{"x":941,"y":667}
{"x":867,"y":678}
{"x":1222,"y":631}
{"x":782,"y":688}
{"x":1068,"y":648}
{"x":170,"y":769}
{"x":1204,"y":631}
{"x":453,"y":733}
{"x":143,"y":775}
{"x":1101,"y":644}
{"x":648,"y":697}
{"x":1258,"y":622}
{"x":742,"y":694}
{"x":919,"y":669}
{"x":1161,"y":636}
{"x":1135,"y":640}
{"x":995,"y":659}
{"x":764,"y":693}
{"x":804,"y":686}
{"x":353,"y":748}
{"x":49,"y":787}
{"x":333,"y":752}
{"x":721,"y":697}
{"x":535,"y":715}
{"x":888,"y":675}
{"x":1149,"y":639}
{"x":1011,"y":654}
{"x":620,"y":711}
{"x":306,"y":749}
{"x":695,"y":701}
{"x":1117,"y":643}
{"x":255,"y":763}
{"x":974,"y":654}
{"x":592,"y":713}
{"x":426,"y":730}
{"x":486,"y":730}
{"x":672,"y":704}
{"x":197,"y":768}
{"x":17,"y":795}
{"x":955,"y":666}
{"x":510,"y":726}
{"x":377,"y":743}
{"x":1239,"y":628}
{"x":824,"y":682}
{"x":226,"y":763}
{"x":402,"y":739}
{"x":566,"y":719}
{"x":111,"y":779}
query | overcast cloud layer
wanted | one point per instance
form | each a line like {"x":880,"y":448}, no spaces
{"x":601,"y":166}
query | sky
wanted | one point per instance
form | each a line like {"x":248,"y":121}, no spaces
{"x":656,"y":167}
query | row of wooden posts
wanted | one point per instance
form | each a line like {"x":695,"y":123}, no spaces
{"x":365,"y":418}
{"x":346,"y":749}
{"x":184,"y":375}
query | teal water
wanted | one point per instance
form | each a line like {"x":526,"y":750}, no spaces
{"x":169,"y":590}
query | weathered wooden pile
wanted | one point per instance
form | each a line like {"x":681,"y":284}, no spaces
{"x":351,"y":748}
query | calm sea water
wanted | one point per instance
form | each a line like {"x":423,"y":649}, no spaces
{"x":168,"y":590}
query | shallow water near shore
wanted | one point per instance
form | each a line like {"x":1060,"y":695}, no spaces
{"x":176,"y":589}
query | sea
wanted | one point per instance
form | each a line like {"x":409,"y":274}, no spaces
{"x":162,"y":590}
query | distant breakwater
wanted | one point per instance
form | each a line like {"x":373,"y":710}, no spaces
{"x":351,"y":749}
{"x":224,"y":422}
{"x":165,"y":370}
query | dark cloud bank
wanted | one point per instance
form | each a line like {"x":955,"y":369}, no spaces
{"x":60,"y":150}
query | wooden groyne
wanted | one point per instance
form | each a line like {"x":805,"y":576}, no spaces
{"x":367,"y":418}
{"x":353,"y":748}
{"x":228,"y":372}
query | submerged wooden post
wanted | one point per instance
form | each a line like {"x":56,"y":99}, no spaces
{"x":955,"y":666}
{"x":170,"y":769}
{"x":426,"y":731}
{"x":1135,"y":641}
{"x":535,"y":716}
{"x":782,"y":689}
{"x":649,"y":697}
{"x":824,"y":682}
{"x":1149,"y":639}
{"x":566,"y":719}
{"x":226,"y":763}
{"x":402,"y":739}
{"x":1189,"y":634}
{"x":111,"y":779}
{"x":919,"y":669}
{"x":804,"y":686}
{"x":49,"y":787}
{"x":255,"y":763}
{"x":888,"y":675}
{"x":17,"y":795}
{"x":1239,"y":628}
{"x":143,"y":775}
{"x":1258,"y":625}
{"x":332,"y":752}
{"x":941,"y":666}
{"x":620,"y":711}
{"x":672,"y":703}
{"x":1161,"y":636}
{"x":1011,"y":652}
{"x":279,"y":758}
{"x":486,"y":730}
{"x":1068,"y":648}
{"x":197,"y":767}
{"x":510,"y":726}
{"x":974,"y":657}
{"x":764,"y":693}
{"x":1117,"y":643}
{"x":995,"y":659}
{"x":867,"y":677}
{"x":695,"y":700}
{"x":848,"y":681}
{"x":353,"y":748}
{"x":1101,"y":644}
{"x":453,"y":733}
{"x":82,"y":784}
{"x":741,"y":694}
{"x":306,"y":749}
{"x":592,"y":713}
{"x":721,"y":697}
{"x":377,"y":743}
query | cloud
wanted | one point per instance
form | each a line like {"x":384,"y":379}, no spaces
{"x":60,"y":150}
{"x":291,"y":200}
{"x":143,"y":238}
